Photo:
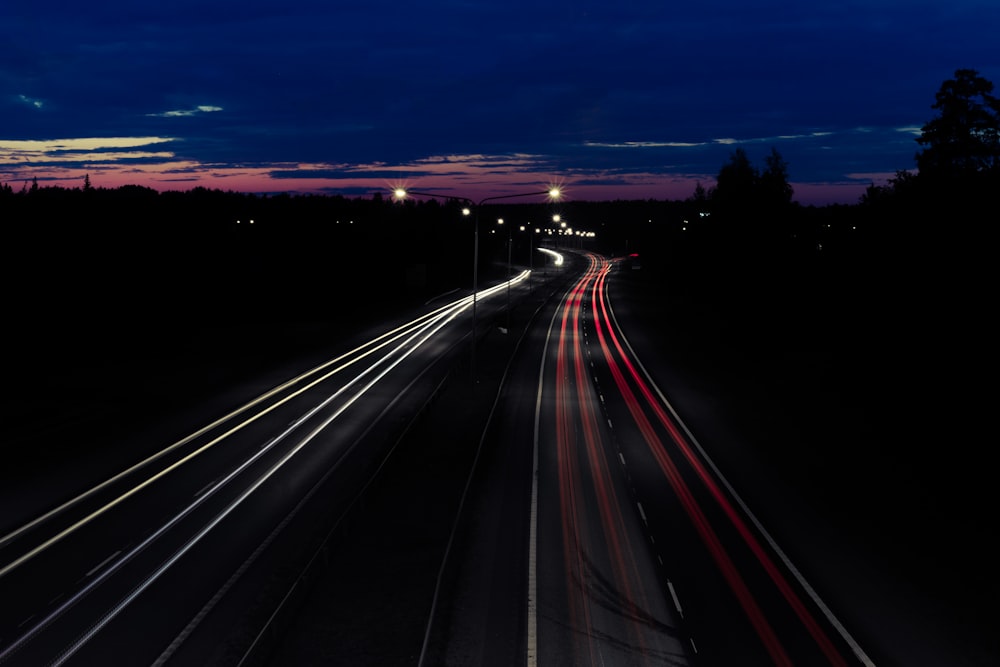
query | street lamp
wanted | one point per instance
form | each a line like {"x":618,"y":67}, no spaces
{"x":402,"y":193}
{"x":529,"y":228}
{"x":500,"y":222}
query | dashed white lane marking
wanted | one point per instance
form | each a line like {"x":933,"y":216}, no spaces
{"x":677,"y":602}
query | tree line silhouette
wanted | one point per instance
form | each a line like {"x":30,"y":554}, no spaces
{"x":199,"y":247}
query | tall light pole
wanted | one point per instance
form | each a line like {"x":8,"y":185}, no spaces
{"x":500,"y":222}
{"x":402,"y":193}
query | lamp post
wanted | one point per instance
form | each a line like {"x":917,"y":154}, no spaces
{"x":527,"y":227}
{"x":500,"y":222}
{"x":402,"y":193}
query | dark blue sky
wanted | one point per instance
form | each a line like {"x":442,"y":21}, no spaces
{"x":614,"y":100}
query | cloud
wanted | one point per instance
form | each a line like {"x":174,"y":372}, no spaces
{"x":720,"y":141}
{"x":87,"y":149}
{"x":31,"y":102}
{"x":186,"y":113}
{"x":645,"y":144}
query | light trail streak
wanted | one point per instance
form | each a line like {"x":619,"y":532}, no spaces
{"x":557,"y":258}
{"x":576,"y":414}
{"x":569,"y":482}
{"x":620,"y":548}
{"x":247,"y":492}
{"x":415,"y":334}
{"x":353,"y":357}
{"x":599,"y":300}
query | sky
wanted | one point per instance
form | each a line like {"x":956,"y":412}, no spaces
{"x":623,"y":99}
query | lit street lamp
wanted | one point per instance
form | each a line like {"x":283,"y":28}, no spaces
{"x":552,"y":193}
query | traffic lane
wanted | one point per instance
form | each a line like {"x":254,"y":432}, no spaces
{"x":482,"y":618}
{"x":600,"y":597}
{"x":366,"y":420}
{"x":157,"y":493}
{"x":174,"y":595}
{"x":490,"y":557}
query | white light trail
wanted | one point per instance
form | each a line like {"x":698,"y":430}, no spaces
{"x":413,"y":334}
{"x":557,"y":257}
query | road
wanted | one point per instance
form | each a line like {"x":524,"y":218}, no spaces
{"x":637,"y":551}
{"x":184,"y":555}
{"x":741,"y":598}
{"x":587,"y":523}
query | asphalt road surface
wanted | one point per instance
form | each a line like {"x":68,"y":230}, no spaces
{"x":183,"y":554}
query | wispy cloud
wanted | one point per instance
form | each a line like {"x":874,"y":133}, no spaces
{"x":30,"y":101}
{"x":720,"y":141}
{"x":186,"y":113}
{"x":87,"y":149}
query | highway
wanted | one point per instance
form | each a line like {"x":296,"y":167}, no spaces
{"x":596,"y":593}
{"x":642,"y":551}
{"x":632,"y":482}
{"x":637,"y":549}
{"x":562,"y":512}
{"x":182,"y":556}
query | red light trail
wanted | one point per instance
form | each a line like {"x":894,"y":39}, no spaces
{"x":587,"y":484}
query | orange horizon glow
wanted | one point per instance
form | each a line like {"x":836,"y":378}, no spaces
{"x":477,"y":178}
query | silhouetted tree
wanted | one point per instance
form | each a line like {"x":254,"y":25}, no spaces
{"x":742,"y":189}
{"x":700,"y":196}
{"x":963,"y":141}
{"x":775,"y":190}
{"x":736,"y":183}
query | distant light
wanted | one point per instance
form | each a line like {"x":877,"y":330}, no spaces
{"x":522,"y":228}
{"x":466,"y":211}
{"x":399,"y":193}
{"x":554,"y":193}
